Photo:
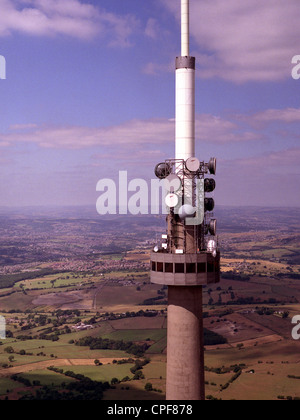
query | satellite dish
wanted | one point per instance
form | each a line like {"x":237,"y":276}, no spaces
{"x":156,"y":249}
{"x":172,"y":200}
{"x":162,"y":170}
{"x":212,"y":166}
{"x":209,"y":185}
{"x":172,"y":183}
{"x":212,"y":227}
{"x":209,"y":204}
{"x":186,"y":211}
{"x":192,"y":164}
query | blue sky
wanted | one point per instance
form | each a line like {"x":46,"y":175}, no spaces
{"x":90,"y":90}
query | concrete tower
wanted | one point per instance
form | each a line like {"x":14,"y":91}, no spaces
{"x":187,"y":258}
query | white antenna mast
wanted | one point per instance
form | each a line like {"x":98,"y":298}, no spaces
{"x":185,"y":28}
{"x":185,"y":92}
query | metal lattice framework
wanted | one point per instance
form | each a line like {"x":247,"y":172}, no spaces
{"x":191,"y":192}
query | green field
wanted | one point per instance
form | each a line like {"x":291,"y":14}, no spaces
{"x":53,"y":281}
{"x":158,"y":347}
{"x":154,"y":372}
{"x":271,"y":366}
{"x":47,"y":377}
{"x":103,"y":373}
{"x":248,"y":385}
{"x":58,"y":349}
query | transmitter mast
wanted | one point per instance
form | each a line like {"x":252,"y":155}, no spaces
{"x":187,"y":257}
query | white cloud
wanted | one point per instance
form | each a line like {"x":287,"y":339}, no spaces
{"x":139,"y":160}
{"x":74,"y":18}
{"x":135,"y":133}
{"x":212,"y":129}
{"x":268,"y":179}
{"x":152,"y":69}
{"x":242,"y":41}
{"x":279,"y":162}
{"x":286,"y":116}
{"x":119,"y":28}
{"x":152,"y":28}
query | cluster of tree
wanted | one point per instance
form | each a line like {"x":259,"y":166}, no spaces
{"x":211,"y":398}
{"x":68,"y":373}
{"x":246,"y":301}
{"x":223,"y":370}
{"x":66,"y":313}
{"x":51,"y":333}
{"x":211,"y":338}
{"x":24,"y":381}
{"x":8,"y":280}
{"x":136,"y":370}
{"x":83,"y":390}
{"x":57,"y":319}
{"x":162,"y":292}
{"x":16,"y":311}
{"x":10,"y":350}
{"x":158,"y":300}
{"x":161,"y":299}
{"x":265,"y":311}
{"x":9,"y":334}
{"x":149,"y":388}
{"x":294,"y":276}
{"x":123,"y":361}
{"x":24,"y":337}
{"x":236,"y":369}
{"x":106,"y":344}
{"x":231,"y":275}
{"x":148,"y":313}
{"x":237,"y":374}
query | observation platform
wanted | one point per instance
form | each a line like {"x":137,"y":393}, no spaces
{"x":185,"y":269}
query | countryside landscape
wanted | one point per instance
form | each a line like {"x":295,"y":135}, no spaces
{"x":84,"y":322}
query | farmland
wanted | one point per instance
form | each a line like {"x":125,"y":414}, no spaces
{"x":64,"y":284}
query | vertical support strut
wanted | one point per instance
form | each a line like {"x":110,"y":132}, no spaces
{"x":185,"y":364}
